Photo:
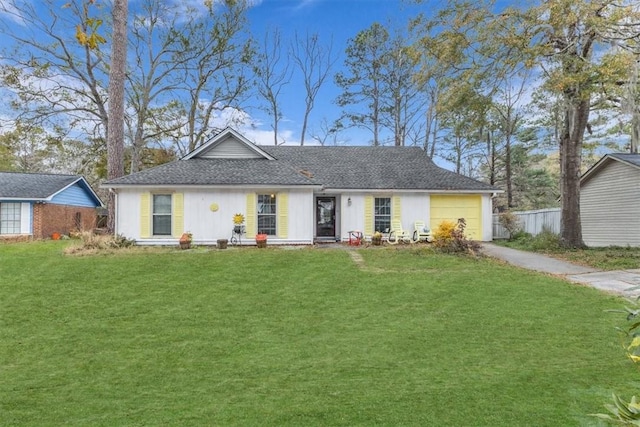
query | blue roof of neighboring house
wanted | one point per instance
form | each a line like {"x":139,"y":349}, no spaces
{"x":54,"y":188}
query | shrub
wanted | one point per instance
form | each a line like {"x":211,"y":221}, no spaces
{"x":450,"y":238}
{"x":511,"y":223}
{"x":627,"y":413}
{"x":90,"y":242}
{"x":546,"y":240}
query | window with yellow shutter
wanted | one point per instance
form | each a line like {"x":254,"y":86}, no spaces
{"x":382,"y":214}
{"x":267,"y":214}
{"x":161,"y":212}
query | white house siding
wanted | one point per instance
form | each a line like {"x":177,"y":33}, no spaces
{"x":413,"y":207}
{"x":230,"y":149}
{"x":609,"y":206}
{"x":487,"y":218}
{"x":208,"y":226}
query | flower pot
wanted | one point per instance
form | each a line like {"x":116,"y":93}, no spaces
{"x":261,"y":240}
{"x":222,"y":243}
{"x":56,"y":236}
{"x":185,"y":245}
{"x":376,"y":241}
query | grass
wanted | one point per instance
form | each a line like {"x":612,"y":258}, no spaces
{"x":608,"y":258}
{"x":299,"y":337}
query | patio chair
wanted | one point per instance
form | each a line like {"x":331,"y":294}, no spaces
{"x":397,"y":233}
{"x":421,"y":232}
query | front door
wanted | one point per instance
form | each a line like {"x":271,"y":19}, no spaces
{"x":326,"y":217}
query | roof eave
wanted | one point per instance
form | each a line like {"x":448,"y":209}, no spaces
{"x":209,"y":186}
{"x":607,"y":158}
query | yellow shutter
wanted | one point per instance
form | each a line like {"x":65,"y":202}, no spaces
{"x":396,"y":212}
{"x":145,"y":215}
{"x":250,"y":216}
{"x":282,"y":207}
{"x":177,"y":219}
{"x":368,"y":215}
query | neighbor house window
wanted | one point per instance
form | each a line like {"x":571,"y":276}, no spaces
{"x":267,"y":214}
{"x":162,"y":214}
{"x":382,"y":214}
{"x":9,"y":218}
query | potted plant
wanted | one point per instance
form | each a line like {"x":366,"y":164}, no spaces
{"x":261,"y":240}
{"x":185,"y":240}
{"x":376,"y":239}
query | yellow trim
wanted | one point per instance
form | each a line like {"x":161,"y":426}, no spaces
{"x":282,"y":209}
{"x":368,"y":215}
{"x":396,"y":211}
{"x":250,"y":216}
{"x":177,"y":220}
{"x":145,"y":215}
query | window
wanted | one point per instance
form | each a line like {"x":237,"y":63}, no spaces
{"x":267,"y":214}
{"x":10,"y":218}
{"x":382,"y":214}
{"x":162,"y":214}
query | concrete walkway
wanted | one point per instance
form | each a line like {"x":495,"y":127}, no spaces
{"x":620,"y":282}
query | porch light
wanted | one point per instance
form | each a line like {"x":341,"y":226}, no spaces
{"x":349,"y":201}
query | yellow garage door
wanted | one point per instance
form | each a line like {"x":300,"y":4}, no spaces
{"x":452,"y":207}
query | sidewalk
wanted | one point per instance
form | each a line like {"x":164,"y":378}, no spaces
{"x":620,"y":282}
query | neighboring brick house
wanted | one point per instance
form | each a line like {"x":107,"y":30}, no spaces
{"x":36,"y":205}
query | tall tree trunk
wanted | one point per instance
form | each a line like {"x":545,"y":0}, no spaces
{"x":491,"y":148}
{"x":276,"y":119}
{"x":575,"y":123}
{"x":115,"y":130}
{"x":635,"y":131}
{"x":508,"y":174}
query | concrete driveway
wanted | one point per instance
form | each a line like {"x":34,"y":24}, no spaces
{"x":619,"y":282}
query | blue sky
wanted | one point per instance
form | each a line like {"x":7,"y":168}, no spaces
{"x":337,"y":20}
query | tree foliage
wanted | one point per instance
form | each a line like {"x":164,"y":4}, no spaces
{"x":186,"y":75}
{"x":581,"y":49}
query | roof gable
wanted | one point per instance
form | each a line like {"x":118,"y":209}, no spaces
{"x":629,"y":159}
{"x":228,"y":144}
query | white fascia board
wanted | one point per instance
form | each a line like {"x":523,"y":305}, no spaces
{"x":22,"y":199}
{"x":399,"y":190}
{"x":212,"y":187}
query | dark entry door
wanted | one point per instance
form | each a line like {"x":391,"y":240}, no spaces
{"x":326,"y":217}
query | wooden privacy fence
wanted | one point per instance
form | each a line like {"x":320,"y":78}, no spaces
{"x":532,"y":222}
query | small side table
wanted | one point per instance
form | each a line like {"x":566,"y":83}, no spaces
{"x":355,"y":237}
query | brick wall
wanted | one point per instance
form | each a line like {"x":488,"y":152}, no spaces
{"x":49,"y":219}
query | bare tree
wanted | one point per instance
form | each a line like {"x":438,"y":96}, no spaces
{"x":54,"y":81}
{"x":326,"y":133}
{"x":272,"y":74}
{"x":314,"y":62}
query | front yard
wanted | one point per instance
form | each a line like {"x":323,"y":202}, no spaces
{"x":299,"y":337}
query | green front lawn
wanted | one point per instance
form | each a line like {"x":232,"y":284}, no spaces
{"x":302,"y":337}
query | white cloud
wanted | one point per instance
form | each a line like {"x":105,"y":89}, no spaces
{"x":9,"y":9}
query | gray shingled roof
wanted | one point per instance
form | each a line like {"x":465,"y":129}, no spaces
{"x":332,"y":167}
{"x":30,"y":186}
{"x":632,"y":158}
